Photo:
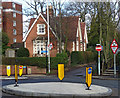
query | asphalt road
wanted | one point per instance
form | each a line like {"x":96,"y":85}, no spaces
{"x":69,"y":77}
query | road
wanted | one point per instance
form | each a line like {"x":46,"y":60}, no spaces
{"x":69,"y":77}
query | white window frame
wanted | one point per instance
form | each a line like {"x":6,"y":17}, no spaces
{"x":14,"y":23}
{"x":39,"y":30}
{"x":13,"y":5}
{"x":14,"y":14}
{"x":14,"y":32}
{"x":14,"y":40}
{"x":0,"y":20}
{"x":73,"y":46}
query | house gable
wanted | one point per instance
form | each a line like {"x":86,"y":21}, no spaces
{"x":30,"y":28}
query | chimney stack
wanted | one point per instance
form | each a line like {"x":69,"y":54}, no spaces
{"x":50,"y":10}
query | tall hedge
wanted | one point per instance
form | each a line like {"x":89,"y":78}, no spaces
{"x":81,"y":57}
{"x":33,"y":61}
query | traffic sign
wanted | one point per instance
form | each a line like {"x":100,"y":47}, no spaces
{"x":61,"y":71}
{"x":50,"y":46}
{"x":114,"y":46}
{"x":20,"y":70}
{"x":98,"y":47}
{"x":8,"y":71}
{"x":89,"y":71}
{"x":88,"y":76}
{"x":44,"y":51}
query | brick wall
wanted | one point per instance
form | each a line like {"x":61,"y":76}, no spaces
{"x":34,"y":70}
{"x":8,"y":22}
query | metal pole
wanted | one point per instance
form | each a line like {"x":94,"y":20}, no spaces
{"x":98,"y":62}
{"x":114,"y":65}
{"x":46,"y":59}
{"x":48,"y":38}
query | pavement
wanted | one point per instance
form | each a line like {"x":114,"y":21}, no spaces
{"x":12,"y":77}
{"x":53,"y":89}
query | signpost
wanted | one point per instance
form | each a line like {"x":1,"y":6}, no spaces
{"x":88,"y":76}
{"x":20,"y":70}
{"x":16,"y":76}
{"x":114,"y":47}
{"x":8,"y":71}
{"x":99,"y":48}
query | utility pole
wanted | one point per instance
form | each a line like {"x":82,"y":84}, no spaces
{"x":48,"y":38}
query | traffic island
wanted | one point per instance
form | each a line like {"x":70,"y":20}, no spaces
{"x":53,"y":89}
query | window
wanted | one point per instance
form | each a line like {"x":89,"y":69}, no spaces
{"x":14,"y":40}
{"x":13,"y":5}
{"x":0,"y":12}
{"x":0,"y":21}
{"x":14,"y":23}
{"x":40,"y":28}
{"x":14,"y":31}
{"x":0,"y":29}
{"x":14,"y":14}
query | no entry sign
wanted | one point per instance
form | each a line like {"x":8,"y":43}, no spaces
{"x":114,"y":46}
{"x":98,"y":47}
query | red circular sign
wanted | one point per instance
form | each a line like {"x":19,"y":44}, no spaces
{"x":98,"y":47}
{"x":20,"y":67}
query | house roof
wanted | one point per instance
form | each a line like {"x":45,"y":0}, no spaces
{"x":69,"y":26}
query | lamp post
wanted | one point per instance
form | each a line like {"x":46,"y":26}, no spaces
{"x":46,"y":59}
{"x":48,"y":38}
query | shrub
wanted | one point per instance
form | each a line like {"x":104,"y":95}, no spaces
{"x":81,"y":57}
{"x":22,"y":52}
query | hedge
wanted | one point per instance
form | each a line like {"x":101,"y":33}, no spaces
{"x":34,"y":61}
{"x":82,"y":57}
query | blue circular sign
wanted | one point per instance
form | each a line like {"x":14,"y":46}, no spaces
{"x":89,"y":71}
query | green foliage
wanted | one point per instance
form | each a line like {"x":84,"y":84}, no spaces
{"x":22,"y":52}
{"x":33,"y":61}
{"x":82,"y":57}
{"x":5,"y":41}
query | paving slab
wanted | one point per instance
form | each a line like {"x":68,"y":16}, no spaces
{"x":49,"y":89}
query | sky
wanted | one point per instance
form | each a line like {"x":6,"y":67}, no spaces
{"x":24,"y":5}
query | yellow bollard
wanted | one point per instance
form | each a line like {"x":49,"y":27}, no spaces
{"x":20,"y":70}
{"x":61,"y":71}
{"x":16,"y":75}
{"x":8,"y":71}
{"x":88,"y":76}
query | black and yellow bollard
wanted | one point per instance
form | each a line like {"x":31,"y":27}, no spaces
{"x":88,"y":77}
{"x":16,"y":76}
{"x":61,"y":71}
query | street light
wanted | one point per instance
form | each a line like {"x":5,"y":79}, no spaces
{"x":48,"y":39}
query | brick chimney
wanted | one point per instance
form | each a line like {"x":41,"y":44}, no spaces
{"x":50,"y":10}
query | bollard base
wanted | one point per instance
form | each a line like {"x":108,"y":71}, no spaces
{"x":16,"y":85}
{"x":88,"y":88}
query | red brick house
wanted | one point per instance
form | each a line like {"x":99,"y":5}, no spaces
{"x":72,"y":29}
{"x":11,"y":21}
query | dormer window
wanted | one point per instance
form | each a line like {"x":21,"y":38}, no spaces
{"x":40,"y":29}
{"x":13,"y":5}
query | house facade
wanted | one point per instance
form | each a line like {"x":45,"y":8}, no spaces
{"x":11,"y":21}
{"x":73,"y":30}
